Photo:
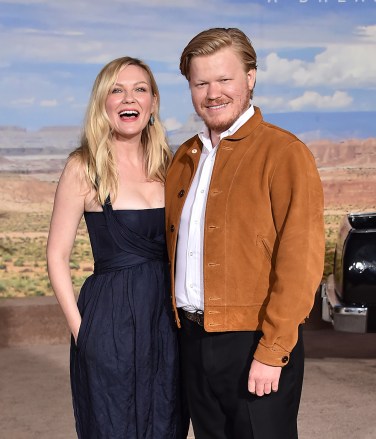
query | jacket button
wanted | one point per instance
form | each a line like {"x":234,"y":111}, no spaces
{"x":181,"y":193}
{"x":285,"y":359}
{"x":172,"y":228}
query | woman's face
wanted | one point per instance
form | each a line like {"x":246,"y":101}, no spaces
{"x":130,"y":102}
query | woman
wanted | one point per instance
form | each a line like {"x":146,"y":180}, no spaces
{"x":123,"y":351}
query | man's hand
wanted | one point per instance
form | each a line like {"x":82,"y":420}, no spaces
{"x":263,"y":379}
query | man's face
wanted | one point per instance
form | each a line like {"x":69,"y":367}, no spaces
{"x":220,"y":88}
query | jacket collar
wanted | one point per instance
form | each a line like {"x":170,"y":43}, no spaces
{"x":248,"y":127}
{"x":194,"y":145}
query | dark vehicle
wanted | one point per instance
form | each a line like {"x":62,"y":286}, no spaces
{"x":349,"y":293}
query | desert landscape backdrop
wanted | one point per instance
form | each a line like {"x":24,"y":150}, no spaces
{"x":30,"y":165}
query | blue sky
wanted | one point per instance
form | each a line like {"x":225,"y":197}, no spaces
{"x":313,"y":55}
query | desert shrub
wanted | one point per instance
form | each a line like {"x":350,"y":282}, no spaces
{"x":40,"y":293}
{"x":73,"y":265}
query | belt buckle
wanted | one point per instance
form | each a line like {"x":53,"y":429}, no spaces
{"x":196,"y":317}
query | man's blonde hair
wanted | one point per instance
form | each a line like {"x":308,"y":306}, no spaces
{"x":212,"y":40}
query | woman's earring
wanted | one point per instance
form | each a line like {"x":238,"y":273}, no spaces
{"x":151,"y":120}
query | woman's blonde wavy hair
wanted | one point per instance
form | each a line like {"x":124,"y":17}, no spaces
{"x":95,"y":150}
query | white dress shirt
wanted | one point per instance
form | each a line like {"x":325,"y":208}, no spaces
{"x":189,"y":275}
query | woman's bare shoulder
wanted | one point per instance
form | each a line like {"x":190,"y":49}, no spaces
{"x":73,"y":177}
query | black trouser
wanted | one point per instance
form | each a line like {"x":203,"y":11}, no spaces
{"x":215,"y":369}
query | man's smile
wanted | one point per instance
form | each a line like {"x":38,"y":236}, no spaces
{"x":216,"y":107}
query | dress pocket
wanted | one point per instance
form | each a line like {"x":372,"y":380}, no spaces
{"x":82,"y":331}
{"x":84,"y":306}
{"x":79,"y":336}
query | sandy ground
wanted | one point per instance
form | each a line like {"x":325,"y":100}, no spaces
{"x":339,"y":394}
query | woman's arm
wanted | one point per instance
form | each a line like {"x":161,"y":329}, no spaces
{"x":68,"y":209}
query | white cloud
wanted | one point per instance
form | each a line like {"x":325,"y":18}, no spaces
{"x":91,"y":46}
{"x":48,"y":103}
{"x":338,"y":65}
{"x":368,"y":33}
{"x":86,"y":31}
{"x":344,"y":66}
{"x":270,"y":103}
{"x":312,"y":100}
{"x":17,"y":88}
{"x":171,"y":124}
{"x":48,"y":33}
{"x":22,"y":103}
{"x":279,"y":70}
{"x":52,"y":52}
{"x":309,"y":100}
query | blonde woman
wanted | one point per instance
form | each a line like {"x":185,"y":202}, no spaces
{"x":123,"y":352}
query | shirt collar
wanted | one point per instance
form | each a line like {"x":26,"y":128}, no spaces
{"x":204,"y":134}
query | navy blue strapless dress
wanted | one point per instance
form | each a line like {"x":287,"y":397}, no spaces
{"x":124,"y":366}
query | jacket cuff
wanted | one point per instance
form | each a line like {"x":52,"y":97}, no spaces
{"x":272,"y":356}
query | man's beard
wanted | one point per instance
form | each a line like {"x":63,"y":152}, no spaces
{"x":220,"y":126}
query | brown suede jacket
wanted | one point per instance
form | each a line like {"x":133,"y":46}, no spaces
{"x":264,"y":234}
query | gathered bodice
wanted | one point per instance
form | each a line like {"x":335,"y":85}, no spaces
{"x":124,"y":238}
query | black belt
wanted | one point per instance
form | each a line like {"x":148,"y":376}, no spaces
{"x":196,"y":317}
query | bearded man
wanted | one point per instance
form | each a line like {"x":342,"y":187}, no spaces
{"x":245,"y":235}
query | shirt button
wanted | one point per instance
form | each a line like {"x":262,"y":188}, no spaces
{"x":190,"y":253}
{"x":285,"y":359}
{"x":181,"y":193}
{"x":202,"y":191}
{"x":172,"y":228}
{"x":194,"y":151}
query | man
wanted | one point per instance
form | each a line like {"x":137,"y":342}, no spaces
{"x":246,"y":244}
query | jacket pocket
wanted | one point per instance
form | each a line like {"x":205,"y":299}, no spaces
{"x":263,"y":244}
